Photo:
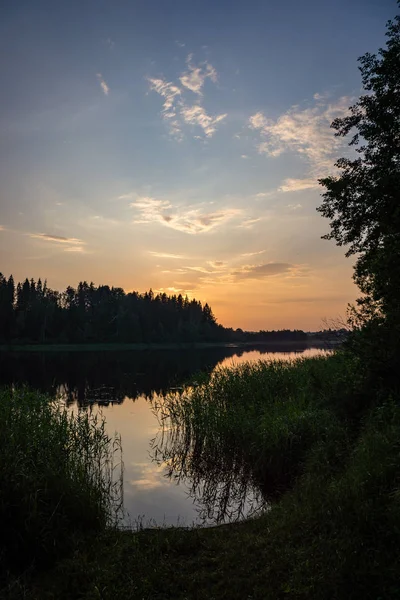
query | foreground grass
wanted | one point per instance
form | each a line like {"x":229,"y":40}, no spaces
{"x":57,"y":481}
{"x":333,"y":530}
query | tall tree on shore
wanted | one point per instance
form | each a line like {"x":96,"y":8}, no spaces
{"x":363,"y":202}
{"x":363,"y":205}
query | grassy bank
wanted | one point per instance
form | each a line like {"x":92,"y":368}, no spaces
{"x":325,"y":454}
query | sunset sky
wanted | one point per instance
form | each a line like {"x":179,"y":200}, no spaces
{"x":177,"y":145}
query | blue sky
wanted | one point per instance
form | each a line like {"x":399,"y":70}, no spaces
{"x":176,"y":145}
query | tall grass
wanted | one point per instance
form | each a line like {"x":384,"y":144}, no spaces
{"x":60,"y":478}
{"x":262,"y":416}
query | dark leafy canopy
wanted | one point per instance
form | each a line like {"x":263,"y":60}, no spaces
{"x":363,"y":202}
{"x":32,"y":312}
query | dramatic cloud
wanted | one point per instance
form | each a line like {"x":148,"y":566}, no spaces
{"x":59,"y":239}
{"x":197,"y":115}
{"x":187,"y":220}
{"x":193,"y":79}
{"x":295,"y":185}
{"x":304,"y":131}
{"x":261,"y":271}
{"x":103,"y":84}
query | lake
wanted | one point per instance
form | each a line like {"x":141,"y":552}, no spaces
{"x":125,"y":388}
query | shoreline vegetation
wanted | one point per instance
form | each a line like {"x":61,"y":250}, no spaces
{"x":323,"y":451}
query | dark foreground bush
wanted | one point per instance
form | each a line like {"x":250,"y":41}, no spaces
{"x":56,"y":479}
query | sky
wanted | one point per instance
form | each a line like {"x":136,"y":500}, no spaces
{"x":177,"y":145}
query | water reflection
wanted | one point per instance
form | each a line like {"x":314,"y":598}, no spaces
{"x":221,"y":486}
{"x":112,"y":376}
{"x":168,"y":479}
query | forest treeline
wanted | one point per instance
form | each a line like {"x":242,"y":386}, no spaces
{"x":31,"y":312}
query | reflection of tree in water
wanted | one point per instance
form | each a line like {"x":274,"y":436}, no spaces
{"x":85,"y":376}
{"x":221,"y":483}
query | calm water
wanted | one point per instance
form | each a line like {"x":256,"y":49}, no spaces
{"x":159,"y":488}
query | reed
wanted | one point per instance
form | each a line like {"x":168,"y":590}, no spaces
{"x":60,"y":478}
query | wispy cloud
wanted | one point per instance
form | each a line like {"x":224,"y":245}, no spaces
{"x":200,"y":269}
{"x":253,"y":253}
{"x":58,"y":239}
{"x":296,"y":185}
{"x":216,"y":263}
{"x":66,"y":244}
{"x":178,"y":109}
{"x":74,"y":249}
{"x":294,"y":206}
{"x":187,"y":220}
{"x":166,"y":255}
{"x":103,"y":84}
{"x":322,"y":96}
{"x":249,"y":223}
{"x":172,"y":102}
{"x":195,"y":76}
{"x":262,"y":271}
{"x":2,"y":228}
{"x":304,"y":131}
{"x":265,"y":195}
{"x":197,"y":115}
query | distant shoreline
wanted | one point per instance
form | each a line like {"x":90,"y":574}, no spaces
{"x":109,"y":346}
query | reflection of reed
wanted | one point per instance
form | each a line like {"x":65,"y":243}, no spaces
{"x":86,"y":396}
{"x":220,"y":482}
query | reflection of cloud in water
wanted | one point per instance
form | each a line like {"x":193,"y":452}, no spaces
{"x":145,"y":477}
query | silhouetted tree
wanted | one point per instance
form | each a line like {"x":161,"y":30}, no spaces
{"x":35,"y":313}
{"x":363,"y":205}
{"x":363,"y":202}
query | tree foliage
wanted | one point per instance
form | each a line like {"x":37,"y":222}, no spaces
{"x":32,"y":312}
{"x":363,"y":201}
